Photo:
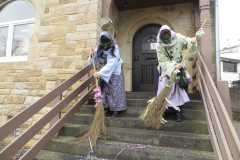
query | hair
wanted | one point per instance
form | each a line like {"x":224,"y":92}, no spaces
{"x":104,"y":39}
{"x":164,"y":32}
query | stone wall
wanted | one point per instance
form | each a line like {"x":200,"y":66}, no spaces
{"x":235,"y":97}
{"x":235,"y":102}
{"x":58,"y":49}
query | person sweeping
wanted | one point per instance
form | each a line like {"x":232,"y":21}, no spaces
{"x":110,"y":74}
{"x":169,"y":50}
{"x":170,"y":95}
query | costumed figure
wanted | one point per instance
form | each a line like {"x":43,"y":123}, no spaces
{"x":111,"y":75}
{"x":169,"y":49}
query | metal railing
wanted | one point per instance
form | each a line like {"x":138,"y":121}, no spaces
{"x":27,"y":113}
{"x":225,"y":142}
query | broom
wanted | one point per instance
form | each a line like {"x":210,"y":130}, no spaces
{"x":153,"y":115}
{"x":97,"y":128}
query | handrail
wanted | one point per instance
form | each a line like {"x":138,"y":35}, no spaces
{"x":210,"y":127}
{"x":223,"y":136}
{"x":20,"y":118}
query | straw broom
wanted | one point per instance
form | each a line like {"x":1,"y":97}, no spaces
{"x":153,"y":115}
{"x":97,"y":128}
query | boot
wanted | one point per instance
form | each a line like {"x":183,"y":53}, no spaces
{"x":115,"y":114}
{"x":178,"y":117}
{"x":107,"y":112}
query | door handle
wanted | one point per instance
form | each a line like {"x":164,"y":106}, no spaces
{"x":136,"y":57}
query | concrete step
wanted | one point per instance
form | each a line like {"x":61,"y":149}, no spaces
{"x":197,"y":127}
{"x":109,"y":150}
{"x":150,"y":95}
{"x":49,"y":155}
{"x":186,"y":114}
{"x":156,"y":138}
{"x":142,"y":103}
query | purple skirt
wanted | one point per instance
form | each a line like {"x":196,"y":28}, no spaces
{"x":178,"y":96}
{"x":113,"y":94}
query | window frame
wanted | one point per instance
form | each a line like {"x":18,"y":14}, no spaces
{"x":10,"y":25}
{"x":230,"y":63}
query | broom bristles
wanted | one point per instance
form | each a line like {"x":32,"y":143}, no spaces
{"x":96,"y":129}
{"x":152,"y":115}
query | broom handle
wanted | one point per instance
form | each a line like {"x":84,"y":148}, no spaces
{"x":192,"y":43}
{"x":94,"y":68}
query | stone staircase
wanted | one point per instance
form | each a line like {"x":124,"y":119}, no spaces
{"x":187,"y":140}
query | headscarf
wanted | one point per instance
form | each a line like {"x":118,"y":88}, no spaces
{"x":165,"y":27}
{"x":101,"y":47}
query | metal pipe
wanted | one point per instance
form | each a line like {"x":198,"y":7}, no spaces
{"x":217,"y":60}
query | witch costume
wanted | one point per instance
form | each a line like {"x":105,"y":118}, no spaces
{"x":169,"y":54}
{"x":112,"y":80}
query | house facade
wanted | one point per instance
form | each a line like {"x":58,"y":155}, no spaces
{"x":50,"y":43}
{"x":230,"y":64}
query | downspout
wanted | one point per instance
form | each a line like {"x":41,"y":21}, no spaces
{"x":217,"y":60}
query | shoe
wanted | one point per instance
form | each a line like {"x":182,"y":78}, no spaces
{"x":107,"y":112}
{"x":115,"y":114}
{"x":178,"y":117}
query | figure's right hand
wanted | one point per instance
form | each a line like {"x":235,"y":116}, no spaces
{"x":91,"y":52}
{"x":179,"y":66}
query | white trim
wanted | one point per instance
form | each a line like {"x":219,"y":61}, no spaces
{"x":13,"y":59}
{"x":11,"y":25}
{"x":24,"y":21}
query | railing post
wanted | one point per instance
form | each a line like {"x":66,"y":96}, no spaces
{"x":54,"y":102}
{"x":223,"y":90}
{"x":206,"y":47}
{"x":85,"y":77}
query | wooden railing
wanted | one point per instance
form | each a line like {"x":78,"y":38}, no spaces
{"x":23,"y":116}
{"x":224,"y":138}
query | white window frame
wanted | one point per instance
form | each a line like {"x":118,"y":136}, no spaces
{"x":10,"y":26}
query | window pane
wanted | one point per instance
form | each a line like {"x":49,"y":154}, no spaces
{"x":17,"y":10}
{"x":3,"y":41}
{"x":229,"y":67}
{"x":21,"y":36}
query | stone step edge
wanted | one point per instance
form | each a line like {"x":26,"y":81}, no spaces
{"x":91,"y":99}
{"x":119,"y":145}
{"x":135,"y":131}
{"x":131,"y":118}
{"x":47,"y":155}
{"x":187,"y":109}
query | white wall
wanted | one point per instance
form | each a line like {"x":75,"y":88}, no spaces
{"x":230,"y":76}
{"x":231,"y":55}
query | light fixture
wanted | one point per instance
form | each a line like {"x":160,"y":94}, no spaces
{"x":125,"y":4}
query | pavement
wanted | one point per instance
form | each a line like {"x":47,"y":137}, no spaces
{"x":236,"y":125}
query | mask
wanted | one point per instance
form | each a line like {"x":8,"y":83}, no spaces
{"x":106,"y":43}
{"x":166,"y":38}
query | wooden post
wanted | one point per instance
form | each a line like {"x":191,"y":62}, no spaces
{"x":206,"y":41}
{"x":54,"y":102}
{"x":223,"y":90}
{"x":83,"y":79}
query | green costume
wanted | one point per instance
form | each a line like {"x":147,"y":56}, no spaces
{"x":174,"y":48}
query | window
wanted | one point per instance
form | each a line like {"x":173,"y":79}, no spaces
{"x":229,"y":66}
{"x":16,"y":28}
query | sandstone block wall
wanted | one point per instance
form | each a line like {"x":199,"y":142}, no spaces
{"x":58,"y":49}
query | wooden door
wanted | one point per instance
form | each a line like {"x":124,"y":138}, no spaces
{"x":144,"y":59}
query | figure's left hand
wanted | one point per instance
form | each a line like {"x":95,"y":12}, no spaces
{"x":96,"y":75}
{"x":193,"y":40}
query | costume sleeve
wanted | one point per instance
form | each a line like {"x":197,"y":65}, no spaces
{"x":106,"y":72}
{"x":166,"y":64}
{"x":90,"y":62}
{"x":186,"y":43}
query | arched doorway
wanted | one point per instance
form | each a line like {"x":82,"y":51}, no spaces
{"x":144,"y":61}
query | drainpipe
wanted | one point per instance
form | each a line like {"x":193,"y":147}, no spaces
{"x":217,"y":60}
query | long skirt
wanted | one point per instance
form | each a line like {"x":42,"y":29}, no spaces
{"x":178,"y":96}
{"x":113,"y":93}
